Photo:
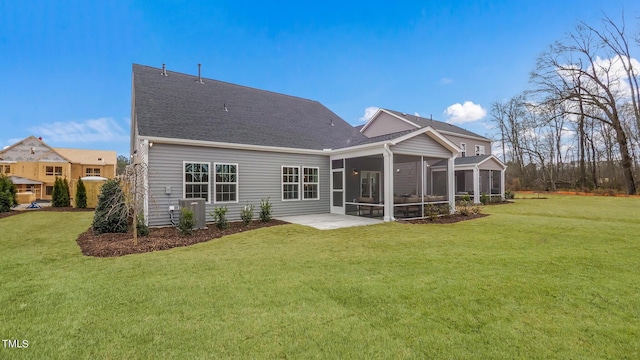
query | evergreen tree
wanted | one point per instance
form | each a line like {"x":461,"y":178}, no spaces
{"x":66,"y":194}
{"x":56,"y":195}
{"x":81,"y":195}
{"x":111,"y":214}
{"x":8,"y":194}
{"x":60,"y":195}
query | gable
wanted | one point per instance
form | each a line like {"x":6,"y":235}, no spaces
{"x":31,"y":150}
{"x":491,"y":164}
{"x":422,"y":144}
{"x":383,"y":124}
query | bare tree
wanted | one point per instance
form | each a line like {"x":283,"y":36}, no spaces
{"x":585,"y":72}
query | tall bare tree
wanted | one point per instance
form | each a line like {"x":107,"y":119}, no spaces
{"x":593,"y":69}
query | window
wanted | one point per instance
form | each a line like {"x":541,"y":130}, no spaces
{"x":463,"y":147}
{"x":48,"y":190}
{"x":310,"y":181}
{"x":196,"y":180}
{"x":479,"y":150}
{"x":226,"y":183}
{"x":290,"y":183}
{"x":7,"y":169}
{"x":92,"y":171}
{"x":53,"y":170}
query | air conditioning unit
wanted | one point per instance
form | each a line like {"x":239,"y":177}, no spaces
{"x":199,"y":211}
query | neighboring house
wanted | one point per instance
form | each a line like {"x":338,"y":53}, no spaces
{"x":233,"y":145}
{"x":33,"y":166}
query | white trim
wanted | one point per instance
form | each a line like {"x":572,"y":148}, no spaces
{"x":494,"y":158}
{"x":303,"y":183}
{"x":214,"y":190}
{"x":337,"y":209}
{"x":282,"y":183}
{"x":215,"y":144}
{"x":184,"y":183}
{"x":432,"y":133}
{"x":419,"y":126}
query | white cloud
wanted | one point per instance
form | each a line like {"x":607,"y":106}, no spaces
{"x":368,"y":113}
{"x":416,"y":114}
{"x":91,"y":130}
{"x":446,"y":81}
{"x":463,"y":113}
{"x":609,"y":70}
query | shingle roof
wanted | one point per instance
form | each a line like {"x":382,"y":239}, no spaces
{"x":178,"y":106}
{"x":467,"y":160}
{"x":383,"y":137}
{"x":438,"y":125}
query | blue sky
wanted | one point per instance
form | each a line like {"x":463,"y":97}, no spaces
{"x":66,"y":65}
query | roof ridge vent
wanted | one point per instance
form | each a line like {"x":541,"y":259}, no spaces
{"x":199,"y":77}
{"x":164,"y":70}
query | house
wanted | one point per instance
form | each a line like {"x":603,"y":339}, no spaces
{"x":476,"y":172}
{"x":33,"y":166}
{"x":233,"y":145}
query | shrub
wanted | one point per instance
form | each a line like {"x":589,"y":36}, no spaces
{"x":187,"y":221}
{"x":246,"y":214}
{"x":444,"y":209}
{"x":220,"y":217}
{"x":509,"y":194}
{"x":265,"y":210}
{"x":111,"y":214}
{"x":8,"y":194}
{"x":431,"y":211}
{"x":143,"y":229}
{"x":81,"y":195}
{"x":484,"y":199}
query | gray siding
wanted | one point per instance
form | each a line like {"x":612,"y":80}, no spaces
{"x":471,"y":144}
{"x":491,"y":164}
{"x":422,"y":145}
{"x":386,"y":124}
{"x":259,"y":176}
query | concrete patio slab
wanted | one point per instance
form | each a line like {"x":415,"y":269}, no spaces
{"x":329,"y":221}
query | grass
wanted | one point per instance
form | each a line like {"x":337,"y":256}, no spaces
{"x":553,"y":278}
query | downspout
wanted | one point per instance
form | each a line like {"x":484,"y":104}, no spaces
{"x":388,"y":183}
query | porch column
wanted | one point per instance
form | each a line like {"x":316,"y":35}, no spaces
{"x":502,"y":183}
{"x":388,"y":184}
{"x":451,"y":178}
{"x":476,"y":185}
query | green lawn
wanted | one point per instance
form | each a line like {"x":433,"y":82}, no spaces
{"x":552,"y":278}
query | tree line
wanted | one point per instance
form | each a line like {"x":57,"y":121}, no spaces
{"x":578,"y":126}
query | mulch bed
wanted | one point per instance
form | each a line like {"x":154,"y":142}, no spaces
{"x":449,"y":219}
{"x":111,"y":245}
